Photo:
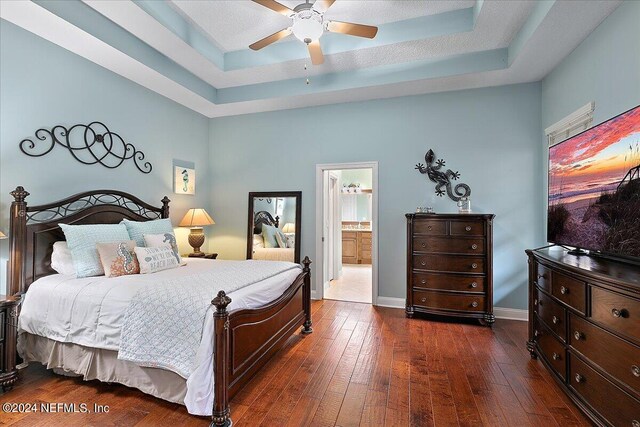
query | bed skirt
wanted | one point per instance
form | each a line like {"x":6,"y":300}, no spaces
{"x":98,"y":364}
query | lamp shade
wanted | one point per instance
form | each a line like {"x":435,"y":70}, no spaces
{"x":289,"y":228}
{"x":196,"y":218}
{"x":2,"y":236}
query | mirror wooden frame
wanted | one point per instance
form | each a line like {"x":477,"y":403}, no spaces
{"x":274,"y":195}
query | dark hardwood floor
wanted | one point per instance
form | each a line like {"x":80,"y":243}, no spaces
{"x":362,"y":366}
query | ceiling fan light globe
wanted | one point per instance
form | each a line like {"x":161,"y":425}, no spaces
{"x":307,"y":26}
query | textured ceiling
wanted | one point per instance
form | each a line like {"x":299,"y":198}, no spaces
{"x":195,"y":51}
{"x":235,"y":24}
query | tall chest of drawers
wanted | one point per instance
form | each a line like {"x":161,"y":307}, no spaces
{"x":584,"y":325}
{"x":450,"y":265}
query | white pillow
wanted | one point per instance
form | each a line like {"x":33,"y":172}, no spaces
{"x":61,"y":260}
{"x":291,"y":239}
{"x":156,"y":259}
{"x":155,"y":240}
{"x":258,"y":241}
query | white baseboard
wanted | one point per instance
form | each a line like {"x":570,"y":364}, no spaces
{"x":499,"y":312}
{"x":391,"y":302}
{"x":511,"y":313}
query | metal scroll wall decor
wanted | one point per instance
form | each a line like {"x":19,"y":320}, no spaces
{"x":443,"y":179}
{"x":88,"y":144}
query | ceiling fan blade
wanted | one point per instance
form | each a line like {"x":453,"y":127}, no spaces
{"x":270,"y":39}
{"x":352,"y":29}
{"x":322,"y":5}
{"x":315,"y":51}
{"x":275,"y":6}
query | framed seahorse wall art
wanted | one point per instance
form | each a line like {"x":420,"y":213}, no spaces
{"x":444,"y":179}
{"x":184,"y":180}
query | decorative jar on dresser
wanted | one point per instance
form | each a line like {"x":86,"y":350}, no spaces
{"x":450,"y":265}
{"x":584,"y":324}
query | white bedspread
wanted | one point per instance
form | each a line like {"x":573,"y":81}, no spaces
{"x":91,"y":311}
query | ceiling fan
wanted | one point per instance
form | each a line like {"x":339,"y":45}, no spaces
{"x":308,"y":25}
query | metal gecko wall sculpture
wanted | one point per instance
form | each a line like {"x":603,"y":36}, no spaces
{"x":443,"y":179}
{"x":91,"y":144}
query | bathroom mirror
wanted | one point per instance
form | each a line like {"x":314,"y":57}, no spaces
{"x":273,"y":231}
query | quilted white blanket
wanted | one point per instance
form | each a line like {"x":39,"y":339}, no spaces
{"x":163,"y":323}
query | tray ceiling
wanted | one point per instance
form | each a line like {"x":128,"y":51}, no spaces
{"x":195,"y":52}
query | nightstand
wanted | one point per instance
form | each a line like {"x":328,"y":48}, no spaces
{"x":8,"y":339}
{"x":206,"y":256}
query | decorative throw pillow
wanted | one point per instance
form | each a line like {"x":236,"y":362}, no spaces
{"x":155,"y":240}
{"x":137,"y":230}
{"x":82,"y":240}
{"x":118,"y":259}
{"x":156,"y":259}
{"x":61,"y":259}
{"x":258,"y":241}
{"x":269,"y":236}
{"x":291,"y":239}
{"x":281,"y":239}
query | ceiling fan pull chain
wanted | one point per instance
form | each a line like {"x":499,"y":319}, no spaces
{"x":307,"y":73}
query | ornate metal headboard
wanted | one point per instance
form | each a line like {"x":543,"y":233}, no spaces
{"x":264,"y":217}
{"x":34,"y":229}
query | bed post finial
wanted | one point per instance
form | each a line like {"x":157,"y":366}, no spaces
{"x":165,"y":207}
{"x":17,"y":240}
{"x":220,"y":414}
{"x":306,"y":296}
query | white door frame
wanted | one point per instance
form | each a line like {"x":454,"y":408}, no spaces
{"x":320,"y":183}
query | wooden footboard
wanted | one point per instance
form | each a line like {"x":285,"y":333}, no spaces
{"x":246,"y":339}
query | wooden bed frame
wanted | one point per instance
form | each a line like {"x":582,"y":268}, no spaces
{"x":244,"y":339}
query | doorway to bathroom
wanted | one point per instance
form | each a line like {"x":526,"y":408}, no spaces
{"x":347,"y":232}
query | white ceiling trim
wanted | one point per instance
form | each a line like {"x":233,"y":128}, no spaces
{"x":51,"y":27}
{"x":530,"y":65}
{"x":139,"y":23}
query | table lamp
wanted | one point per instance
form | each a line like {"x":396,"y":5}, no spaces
{"x":2,"y":236}
{"x":196,"y":219}
{"x":289,"y":228}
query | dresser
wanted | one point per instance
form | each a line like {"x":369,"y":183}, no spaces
{"x":584,"y":325}
{"x":450,"y":265}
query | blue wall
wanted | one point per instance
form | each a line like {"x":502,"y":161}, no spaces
{"x":604,"y":68}
{"x":44,"y":85}
{"x":492,"y":136}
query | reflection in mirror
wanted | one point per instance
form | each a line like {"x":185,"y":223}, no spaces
{"x":274,"y":226}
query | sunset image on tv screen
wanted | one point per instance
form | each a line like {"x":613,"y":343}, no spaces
{"x":594,"y":188}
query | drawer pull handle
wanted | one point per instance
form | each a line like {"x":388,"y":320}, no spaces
{"x":468,"y":228}
{"x":579,"y":378}
{"x":555,"y":320}
{"x":474,"y":285}
{"x":578,"y":335}
{"x":555,"y":356}
{"x":423,"y":300}
{"x":564,"y":290}
{"x":424,"y":245}
{"x":423,"y":281}
{"x":474,"y":246}
{"x":423,"y":263}
{"x":474,"y":265}
{"x":635,"y":370}
{"x":474,"y":304}
{"x":541,"y":276}
{"x":536,"y":333}
{"x":616,"y":313}
{"x":429,"y":228}
{"x":535,"y":302}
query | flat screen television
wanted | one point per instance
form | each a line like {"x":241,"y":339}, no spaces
{"x":594,"y":189}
